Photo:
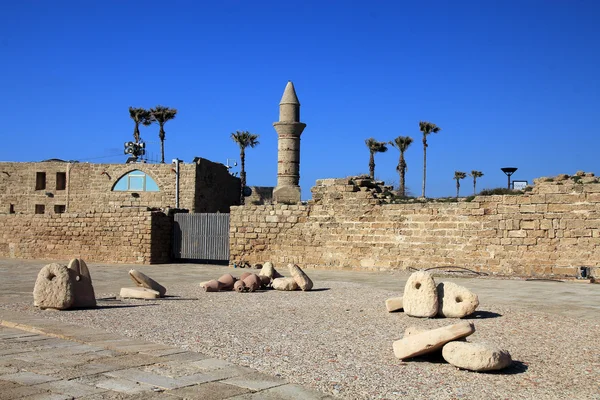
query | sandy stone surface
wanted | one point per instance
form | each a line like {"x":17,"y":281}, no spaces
{"x":340,"y":341}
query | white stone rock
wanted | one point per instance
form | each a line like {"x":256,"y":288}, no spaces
{"x":455,"y":301}
{"x":300,"y":277}
{"x":476,"y":356}
{"x":81,"y":280}
{"x":394,"y":304}
{"x":53,"y":288}
{"x":284,"y":284}
{"x":143,"y":280}
{"x":420,"y":297}
{"x":428,"y":341}
{"x":139,"y":293}
{"x":269,"y":270}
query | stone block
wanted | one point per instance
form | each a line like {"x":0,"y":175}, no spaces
{"x":431,"y":340}
{"x":420,"y":297}
{"x":476,"y":356}
{"x":54,"y":288}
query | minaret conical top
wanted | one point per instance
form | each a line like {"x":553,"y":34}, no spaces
{"x":289,"y":95}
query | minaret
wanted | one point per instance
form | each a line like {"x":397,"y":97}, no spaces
{"x":289,"y":128}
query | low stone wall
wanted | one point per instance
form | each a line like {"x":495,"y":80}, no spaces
{"x":122,"y":235}
{"x":549,"y":231}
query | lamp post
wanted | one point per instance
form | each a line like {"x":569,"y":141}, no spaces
{"x":508,"y":171}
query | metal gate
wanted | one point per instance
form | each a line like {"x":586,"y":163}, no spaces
{"x":201,"y":237}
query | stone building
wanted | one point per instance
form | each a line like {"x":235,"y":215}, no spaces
{"x":55,"y":187}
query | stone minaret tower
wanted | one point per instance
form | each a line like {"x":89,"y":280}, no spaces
{"x":289,"y":128}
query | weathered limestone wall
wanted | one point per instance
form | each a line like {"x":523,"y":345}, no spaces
{"x":124,"y":235}
{"x":549,"y":231}
{"x":204,"y":186}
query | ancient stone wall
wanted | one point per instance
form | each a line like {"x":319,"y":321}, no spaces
{"x":123,"y":235}
{"x":549,"y":231}
{"x":204,"y":186}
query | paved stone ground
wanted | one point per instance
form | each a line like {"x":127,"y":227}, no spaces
{"x":42,"y":359}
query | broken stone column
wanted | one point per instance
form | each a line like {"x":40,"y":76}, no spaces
{"x":428,"y":341}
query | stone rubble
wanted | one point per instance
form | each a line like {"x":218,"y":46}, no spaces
{"x":267,"y":278}
{"x":451,"y":301}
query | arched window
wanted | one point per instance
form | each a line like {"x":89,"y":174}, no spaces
{"x":135,"y":181}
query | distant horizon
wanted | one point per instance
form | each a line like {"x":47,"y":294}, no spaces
{"x":510,"y":84}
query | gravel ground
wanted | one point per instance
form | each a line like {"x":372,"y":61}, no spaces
{"x":338,"y":339}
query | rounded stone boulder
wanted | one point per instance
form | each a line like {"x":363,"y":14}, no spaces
{"x":455,"y":301}
{"x":300,"y":277}
{"x":476,"y":356}
{"x":420,"y":297}
{"x":269,"y":270}
{"x":54,"y":288}
{"x":286,"y":284}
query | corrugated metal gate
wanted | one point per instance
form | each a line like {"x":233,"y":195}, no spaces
{"x":201,"y":237}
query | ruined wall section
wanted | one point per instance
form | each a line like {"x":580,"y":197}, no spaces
{"x":125,"y":235}
{"x":550,"y":231}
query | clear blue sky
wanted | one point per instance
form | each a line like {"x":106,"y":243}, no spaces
{"x":511,"y":83}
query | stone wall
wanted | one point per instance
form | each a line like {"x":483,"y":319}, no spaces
{"x":124,"y":235}
{"x":549,"y":231}
{"x":204,"y":186}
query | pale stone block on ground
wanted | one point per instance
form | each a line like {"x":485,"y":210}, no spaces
{"x":476,"y":356}
{"x":394,"y":304}
{"x":431,"y":340}
{"x":455,"y":301}
{"x":143,"y":280}
{"x":53,"y":288}
{"x":139,"y":293}
{"x":420,"y":297}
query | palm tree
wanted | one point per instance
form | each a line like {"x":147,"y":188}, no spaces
{"x":402,"y":143}
{"x":374,"y":147}
{"x":426,"y":128}
{"x":475,"y":175}
{"x":161,"y":115}
{"x":139,"y":116}
{"x":458,"y":175}
{"x":244,"y":139}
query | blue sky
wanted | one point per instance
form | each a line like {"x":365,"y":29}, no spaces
{"x":511,"y":83}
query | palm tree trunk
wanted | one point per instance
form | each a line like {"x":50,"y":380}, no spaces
{"x":474,"y":186}
{"x":372,"y":165}
{"x":424,"y":165}
{"x":457,"y":187}
{"x":242,"y":175}
{"x":402,"y":168}
{"x":136,"y":132}
{"x":161,"y":135}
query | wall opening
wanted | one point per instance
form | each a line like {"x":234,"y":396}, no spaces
{"x":40,"y":180}
{"x":61,"y":180}
{"x":40,"y":209}
{"x":59,"y":208}
{"x":135,"y":181}
{"x":11,"y":209}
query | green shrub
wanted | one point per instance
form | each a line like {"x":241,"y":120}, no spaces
{"x":499,"y":191}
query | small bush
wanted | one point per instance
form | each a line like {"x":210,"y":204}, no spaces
{"x":469,"y":199}
{"x":499,"y":191}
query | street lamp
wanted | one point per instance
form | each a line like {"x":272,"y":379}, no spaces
{"x":508,"y":171}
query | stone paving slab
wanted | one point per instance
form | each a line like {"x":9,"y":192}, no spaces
{"x":70,"y":388}
{"x":210,"y":390}
{"x":27,"y":378}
